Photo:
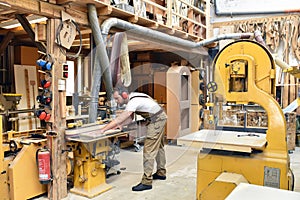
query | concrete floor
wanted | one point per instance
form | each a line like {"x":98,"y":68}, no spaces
{"x":180,"y":183}
{"x":181,"y":176}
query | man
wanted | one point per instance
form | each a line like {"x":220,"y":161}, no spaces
{"x":156,"y":118}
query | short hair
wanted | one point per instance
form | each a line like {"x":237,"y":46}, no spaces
{"x":120,"y":89}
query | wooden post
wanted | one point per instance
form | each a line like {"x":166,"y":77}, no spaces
{"x":292,"y":95}
{"x":190,"y":24}
{"x":58,"y":187}
{"x":169,"y":13}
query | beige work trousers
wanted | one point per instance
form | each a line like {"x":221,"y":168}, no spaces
{"x":154,"y":149}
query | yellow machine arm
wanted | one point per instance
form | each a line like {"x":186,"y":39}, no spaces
{"x":286,"y":68}
{"x":248,"y":73}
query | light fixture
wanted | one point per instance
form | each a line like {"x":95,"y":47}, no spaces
{"x":15,"y":23}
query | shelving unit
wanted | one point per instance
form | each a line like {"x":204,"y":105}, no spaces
{"x":180,"y":15}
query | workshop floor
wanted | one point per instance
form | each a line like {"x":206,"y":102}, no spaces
{"x":180,"y":183}
{"x":181,"y":176}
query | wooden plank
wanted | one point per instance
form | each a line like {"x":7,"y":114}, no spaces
{"x":79,"y":17}
{"x":155,"y":5}
{"x":226,"y":140}
{"x":107,"y":10}
{"x":203,"y":145}
{"x":63,"y":2}
{"x":192,"y":7}
{"x":169,"y":13}
{"x":77,"y":9}
{"x":50,"y":10}
{"x":24,"y":5}
{"x":35,"y":7}
{"x":27,"y":27}
{"x":243,"y":190}
{"x":292,"y":95}
{"x":19,"y":71}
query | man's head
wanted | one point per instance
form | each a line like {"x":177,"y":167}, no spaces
{"x":120,"y":94}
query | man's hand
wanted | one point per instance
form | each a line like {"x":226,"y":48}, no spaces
{"x":118,"y":122}
{"x":102,"y":131}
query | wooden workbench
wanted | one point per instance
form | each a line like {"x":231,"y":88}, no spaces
{"x":224,"y":140}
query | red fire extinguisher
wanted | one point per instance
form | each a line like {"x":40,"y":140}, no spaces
{"x":43,"y":159}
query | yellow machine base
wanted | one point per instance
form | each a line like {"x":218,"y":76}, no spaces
{"x":23,"y":175}
{"x":258,"y":169}
{"x":92,"y":192}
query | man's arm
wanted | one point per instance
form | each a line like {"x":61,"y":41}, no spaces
{"x":119,"y":121}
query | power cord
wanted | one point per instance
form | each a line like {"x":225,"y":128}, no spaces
{"x":62,"y":49}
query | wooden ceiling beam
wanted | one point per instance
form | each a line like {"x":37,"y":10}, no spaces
{"x":27,"y":27}
{"x":31,"y":6}
{"x":46,"y":9}
{"x":79,"y":16}
{"x":63,"y":2}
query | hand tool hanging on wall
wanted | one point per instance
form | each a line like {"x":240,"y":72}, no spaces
{"x":272,"y":34}
{"x":296,"y":37}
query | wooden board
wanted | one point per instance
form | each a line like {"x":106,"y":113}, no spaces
{"x":27,"y":95}
{"x":248,"y":192}
{"x":88,"y":139}
{"x":84,"y":129}
{"x":224,"y":140}
{"x":90,"y":133}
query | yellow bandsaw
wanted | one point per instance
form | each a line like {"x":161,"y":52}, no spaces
{"x":246,"y":72}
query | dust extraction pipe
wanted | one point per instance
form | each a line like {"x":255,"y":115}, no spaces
{"x":145,"y":33}
{"x":164,"y":38}
{"x":101,"y":65}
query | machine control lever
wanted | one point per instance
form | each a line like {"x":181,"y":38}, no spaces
{"x":249,"y":134}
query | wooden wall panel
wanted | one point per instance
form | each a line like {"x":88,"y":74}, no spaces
{"x":22,"y":86}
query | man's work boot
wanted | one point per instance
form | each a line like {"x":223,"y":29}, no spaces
{"x":158,"y":177}
{"x":141,"y":187}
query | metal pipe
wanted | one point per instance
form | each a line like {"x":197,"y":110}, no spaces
{"x":17,"y":111}
{"x":101,"y":65}
{"x":283,"y":65}
{"x":79,"y":82}
{"x":156,"y":36}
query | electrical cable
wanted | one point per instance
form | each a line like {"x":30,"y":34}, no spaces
{"x":293,"y":179}
{"x":62,"y":49}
